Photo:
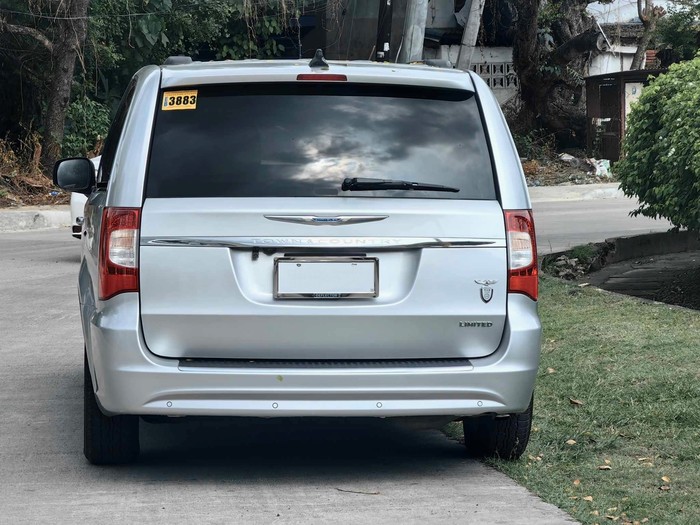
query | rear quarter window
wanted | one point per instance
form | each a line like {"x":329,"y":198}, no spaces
{"x":303,"y":139}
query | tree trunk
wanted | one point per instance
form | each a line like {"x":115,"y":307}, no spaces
{"x":69,"y":36}
{"x":550,"y":63}
{"x":641,"y":51}
{"x":525,"y":59}
{"x":649,"y":15}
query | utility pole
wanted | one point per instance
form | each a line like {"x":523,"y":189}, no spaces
{"x":413,"y":31}
{"x":471,"y":31}
{"x":382,"y":51}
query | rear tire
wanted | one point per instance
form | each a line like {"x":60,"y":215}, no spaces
{"x":107,"y":440}
{"x":498,"y":437}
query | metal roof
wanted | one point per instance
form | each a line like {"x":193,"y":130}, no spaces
{"x":635,"y":75}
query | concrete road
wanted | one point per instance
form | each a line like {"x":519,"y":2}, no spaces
{"x":562,"y":224}
{"x":206,"y":471}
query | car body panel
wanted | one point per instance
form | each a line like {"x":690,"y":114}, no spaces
{"x":132,"y":155}
{"x":512,"y":186}
{"x":213,"y":301}
{"x":287,"y":70}
{"x":132,"y":380}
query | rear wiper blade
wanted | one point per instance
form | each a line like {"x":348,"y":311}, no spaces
{"x":361,"y":184}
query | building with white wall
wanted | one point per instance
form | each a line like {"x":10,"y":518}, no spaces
{"x":618,"y":20}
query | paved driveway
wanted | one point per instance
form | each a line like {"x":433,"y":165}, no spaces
{"x":197,"y":471}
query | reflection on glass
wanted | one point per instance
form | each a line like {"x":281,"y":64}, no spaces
{"x":303,"y":140}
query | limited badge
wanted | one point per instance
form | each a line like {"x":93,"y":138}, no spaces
{"x":486,"y":290}
{"x":174,"y":100}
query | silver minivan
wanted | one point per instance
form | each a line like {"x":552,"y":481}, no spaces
{"x":285,"y":238}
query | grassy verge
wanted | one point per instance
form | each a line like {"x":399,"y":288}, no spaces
{"x":617,"y":409}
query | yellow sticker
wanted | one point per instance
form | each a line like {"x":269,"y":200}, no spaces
{"x":179,"y":100}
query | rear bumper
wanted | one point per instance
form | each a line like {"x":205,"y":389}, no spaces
{"x":131,"y":380}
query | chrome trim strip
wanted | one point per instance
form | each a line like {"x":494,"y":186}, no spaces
{"x":324,"y":297}
{"x":376,"y":243}
{"x":316,"y":220}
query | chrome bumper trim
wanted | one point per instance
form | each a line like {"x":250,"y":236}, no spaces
{"x":373,"y":243}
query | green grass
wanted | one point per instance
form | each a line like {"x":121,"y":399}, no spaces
{"x":635,"y":367}
{"x":585,"y":253}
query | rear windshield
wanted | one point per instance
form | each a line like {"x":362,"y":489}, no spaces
{"x":303,"y":139}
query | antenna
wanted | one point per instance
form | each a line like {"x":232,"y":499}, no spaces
{"x":318,"y":60}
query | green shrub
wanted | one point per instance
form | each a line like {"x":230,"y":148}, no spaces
{"x":679,"y":30}
{"x":661,"y":164}
{"x":535,"y":144}
{"x":585,"y":253}
{"x":87,"y":124}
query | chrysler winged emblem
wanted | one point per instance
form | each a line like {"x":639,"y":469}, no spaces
{"x":316,"y":220}
{"x":486,"y":290}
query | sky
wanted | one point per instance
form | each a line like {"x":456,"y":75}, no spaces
{"x":623,"y":11}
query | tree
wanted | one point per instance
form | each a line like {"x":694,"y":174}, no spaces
{"x":41,"y":39}
{"x":661,"y":163}
{"x":554,"y":40}
{"x":122,"y":37}
{"x":59,"y":26}
{"x":649,"y":14}
{"x":678,"y":33}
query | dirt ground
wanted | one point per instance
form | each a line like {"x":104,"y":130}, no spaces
{"x":555,"y":173}
{"x":41,"y":197}
{"x":683,"y":289}
{"x":672,"y":279}
{"x":30,"y":190}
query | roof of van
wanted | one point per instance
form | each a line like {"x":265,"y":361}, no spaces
{"x":228,"y":71}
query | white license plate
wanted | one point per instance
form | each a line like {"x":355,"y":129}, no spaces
{"x":326,"y":277}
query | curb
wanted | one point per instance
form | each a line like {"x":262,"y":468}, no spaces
{"x":619,"y":249}
{"x":40,"y":218}
{"x":652,"y":244}
{"x":29,"y":218}
{"x":583,"y":192}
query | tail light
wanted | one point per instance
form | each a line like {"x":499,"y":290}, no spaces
{"x":522,"y":253}
{"x":323,"y":77}
{"x":119,"y":242}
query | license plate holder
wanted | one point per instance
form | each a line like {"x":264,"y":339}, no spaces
{"x":323,"y":278}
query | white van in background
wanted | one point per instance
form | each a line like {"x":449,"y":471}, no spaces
{"x":77,"y":205}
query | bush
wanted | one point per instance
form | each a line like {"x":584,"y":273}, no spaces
{"x":87,"y":124}
{"x":661,"y":163}
{"x":679,"y":31}
{"x":535,"y":144}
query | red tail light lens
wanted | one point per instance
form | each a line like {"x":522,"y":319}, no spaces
{"x":327,"y":77}
{"x":119,"y":244}
{"x":522,"y":252}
